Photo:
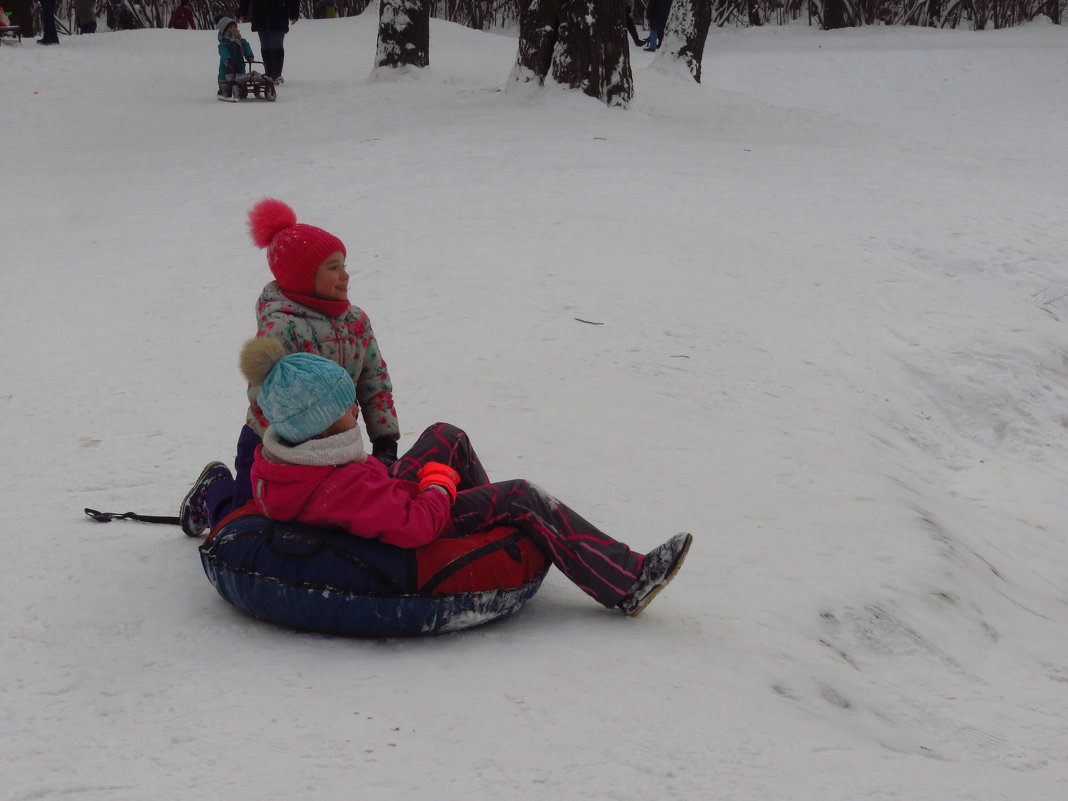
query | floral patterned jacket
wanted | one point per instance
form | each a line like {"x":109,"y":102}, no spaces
{"x":346,"y":339}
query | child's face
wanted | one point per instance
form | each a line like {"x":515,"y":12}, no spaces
{"x":331,"y":279}
{"x":346,"y":422}
{"x":231,"y":29}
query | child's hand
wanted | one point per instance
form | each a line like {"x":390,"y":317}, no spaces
{"x":385,"y":450}
{"x":436,"y":474}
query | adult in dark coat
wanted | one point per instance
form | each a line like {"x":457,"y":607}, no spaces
{"x":271,"y":20}
{"x":657,"y":13}
{"x":85,"y":15}
{"x":633,"y":30}
{"x":49,"y":35}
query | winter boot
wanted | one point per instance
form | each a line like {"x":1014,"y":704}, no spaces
{"x":193,"y":514}
{"x":658,"y":568}
{"x":267,"y":55}
{"x":633,"y":31}
{"x":226,"y":92}
{"x":279,"y":59}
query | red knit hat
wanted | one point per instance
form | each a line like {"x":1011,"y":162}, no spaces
{"x":294,"y":250}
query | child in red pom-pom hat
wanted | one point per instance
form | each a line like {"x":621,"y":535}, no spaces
{"x":307,"y":308}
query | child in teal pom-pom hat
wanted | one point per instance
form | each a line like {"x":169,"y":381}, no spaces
{"x":312,"y":468}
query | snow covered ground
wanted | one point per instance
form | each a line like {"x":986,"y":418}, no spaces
{"x":833,"y":298}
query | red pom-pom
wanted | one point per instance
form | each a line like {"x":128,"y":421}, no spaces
{"x":267,"y":218}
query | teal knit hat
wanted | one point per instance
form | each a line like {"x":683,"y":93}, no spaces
{"x":302,"y":394}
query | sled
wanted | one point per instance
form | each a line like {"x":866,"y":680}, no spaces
{"x":254,"y":84}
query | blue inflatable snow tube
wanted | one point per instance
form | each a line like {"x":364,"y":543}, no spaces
{"x":327,"y":580}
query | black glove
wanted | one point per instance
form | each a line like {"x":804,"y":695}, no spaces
{"x":385,"y":450}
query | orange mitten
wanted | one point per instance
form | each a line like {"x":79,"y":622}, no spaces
{"x":439,"y":475}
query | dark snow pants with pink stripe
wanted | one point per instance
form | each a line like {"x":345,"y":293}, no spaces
{"x":600,"y":566}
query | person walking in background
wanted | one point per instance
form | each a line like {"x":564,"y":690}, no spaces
{"x":271,"y":20}
{"x":182,"y":19}
{"x":121,"y":18}
{"x":85,"y":15}
{"x":324,"y":9}
{"x":49,"y":36}
{"x":657,"y":13}
{"x":632,"y":29}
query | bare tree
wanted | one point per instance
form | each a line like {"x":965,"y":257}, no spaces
{"x":403,"y":34}
{"x":581,"y":44}
{"x":539,"y":25}
{"x":685,"y":34}
{"x":542,"y":21}
{"x":831,"y":13}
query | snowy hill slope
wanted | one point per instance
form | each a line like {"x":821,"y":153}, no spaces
{"x":831,"y":291}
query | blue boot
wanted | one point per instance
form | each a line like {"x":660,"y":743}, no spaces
{"x":193,"y":514}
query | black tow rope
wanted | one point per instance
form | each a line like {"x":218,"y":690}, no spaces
{"x":107,"y":517}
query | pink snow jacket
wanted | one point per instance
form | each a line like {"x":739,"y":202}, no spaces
{"x":345,"y":338}
{"x":331,"y":482}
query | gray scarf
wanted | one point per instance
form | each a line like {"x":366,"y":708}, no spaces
{"x":341,"y":448}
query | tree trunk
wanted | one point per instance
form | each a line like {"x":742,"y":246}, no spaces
{"x":934,"y":13}
{"x":833,"y":15}
{"x":539,"y":21}
{"x":685,"y":34}
{"x":581,"y":44}
{"x":754,"y":15}
{"x":403,"y":34}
